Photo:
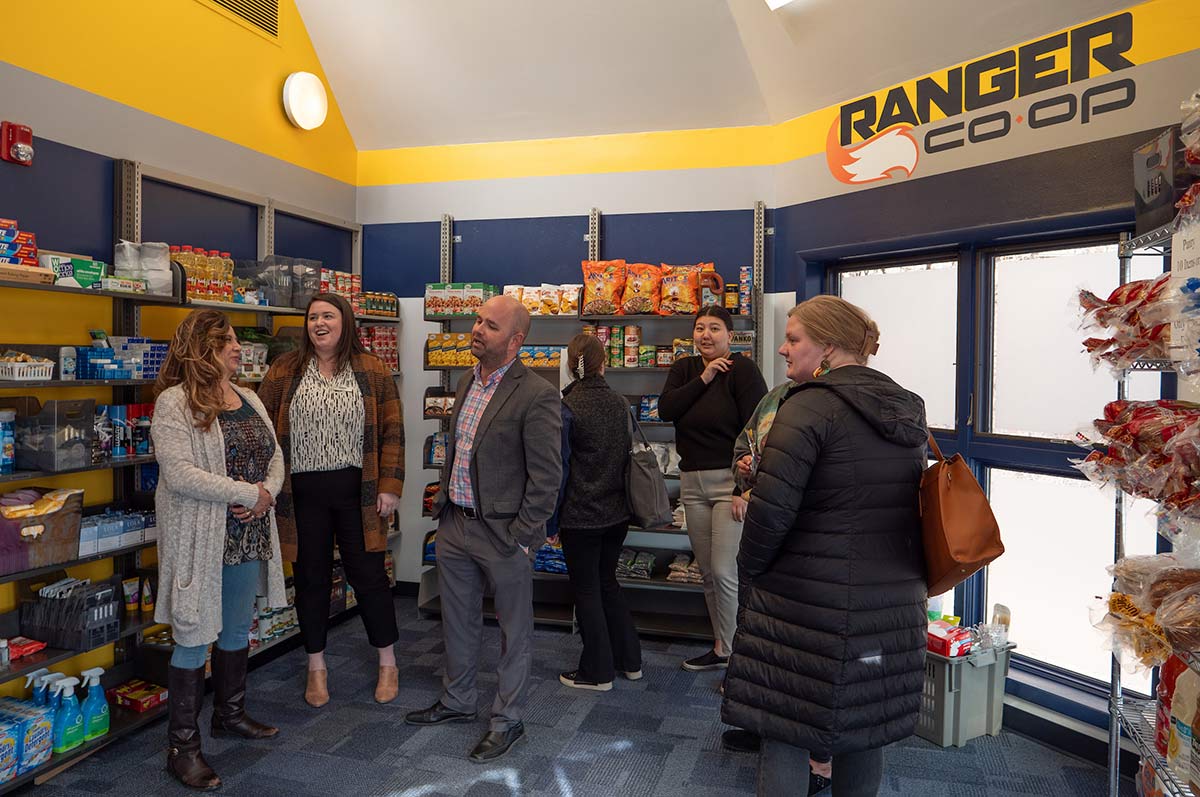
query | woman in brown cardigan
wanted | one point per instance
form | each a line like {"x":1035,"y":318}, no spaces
{"x":338,"y":420}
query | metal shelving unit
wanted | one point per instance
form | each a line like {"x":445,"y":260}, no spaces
{"x":1135,"y":716}
{"x":664,"y":608}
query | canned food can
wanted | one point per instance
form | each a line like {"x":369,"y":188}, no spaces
{"x":633,"y":335}
{"x":631,"y":360}
{"x":590,"y":329}
{"x":603,"y":334}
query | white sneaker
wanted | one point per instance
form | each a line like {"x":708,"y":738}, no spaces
{"x":636,"y":675}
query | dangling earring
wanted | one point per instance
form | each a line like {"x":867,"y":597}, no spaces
{"x":821,"y":369}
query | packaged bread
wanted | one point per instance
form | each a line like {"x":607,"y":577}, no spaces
{"x":603,"y":286}
{"x":1179,"y":616}
{"x":643,"y":289}
{"x":1166,"y":583}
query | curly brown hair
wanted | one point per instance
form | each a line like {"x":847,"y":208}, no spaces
{"x":194,"y":361}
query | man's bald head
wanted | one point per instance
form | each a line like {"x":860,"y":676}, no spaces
{"x":502,"y":323}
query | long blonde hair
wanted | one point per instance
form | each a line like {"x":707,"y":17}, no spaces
{"x":833,"y":321}
{"x":194,"y":361}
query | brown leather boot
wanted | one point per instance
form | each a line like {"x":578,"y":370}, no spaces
{"x":229,"y":716}
{"x":185,"y":762}
{"x":388,"y":685}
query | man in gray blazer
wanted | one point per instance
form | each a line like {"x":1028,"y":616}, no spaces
{"x":499,"y":489}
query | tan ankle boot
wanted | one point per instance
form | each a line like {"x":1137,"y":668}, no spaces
{"x":316,"y":690}
{"x":388,"y":686}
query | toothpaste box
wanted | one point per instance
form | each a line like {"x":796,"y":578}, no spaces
{"x":8,"y":224}
{"x":18,"y":250}
{"x":11,"y":235}
{"x":29,"y":262}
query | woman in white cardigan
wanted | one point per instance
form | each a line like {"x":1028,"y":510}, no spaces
{"x":220,"y":469}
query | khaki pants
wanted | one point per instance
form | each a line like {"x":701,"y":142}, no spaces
{"x":707,"y":498}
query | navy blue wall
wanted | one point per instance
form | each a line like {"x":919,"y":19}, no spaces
{"x":521,"y":251}
{"x":401,"y":258}
{"x":722,"y":237}
{"x":65,"y":197}
{"x":185,"y":217}
{"x":297,"y":237}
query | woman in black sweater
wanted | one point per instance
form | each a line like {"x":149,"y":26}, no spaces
{"x":710,"y":397}
{"x":594,"y":517}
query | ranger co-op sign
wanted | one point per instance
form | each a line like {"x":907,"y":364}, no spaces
{"x":874,"y":139}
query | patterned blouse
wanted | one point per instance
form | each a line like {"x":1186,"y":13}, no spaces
{"x":327,"y":419}
{"x":249,"y":447}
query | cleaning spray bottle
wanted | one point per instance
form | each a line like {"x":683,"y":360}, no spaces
{"x":46,"y":686}
{"x":95,"y":706}
{"x":68,"y":721}
{"x":33,"y":686}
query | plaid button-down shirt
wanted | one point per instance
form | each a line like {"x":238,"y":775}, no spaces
{"x":474,"y":403}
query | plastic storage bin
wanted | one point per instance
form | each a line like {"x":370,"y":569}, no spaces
{"x":43,"y":539}
{"x":54,"y":436}
{"x":306,"y":281}
{"x":963,"y":696}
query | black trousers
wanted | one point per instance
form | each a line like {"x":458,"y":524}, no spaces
{"x":328,"y":507}
{"x":610,"y":642}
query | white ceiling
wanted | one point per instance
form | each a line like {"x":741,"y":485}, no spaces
{"x":426,"y":72}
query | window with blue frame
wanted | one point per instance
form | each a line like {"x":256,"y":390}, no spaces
{"x":1017,"y":377}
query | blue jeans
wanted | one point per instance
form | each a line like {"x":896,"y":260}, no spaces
{"x":239,"y":588}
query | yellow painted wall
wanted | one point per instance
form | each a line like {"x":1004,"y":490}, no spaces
{"x":189,"y":63}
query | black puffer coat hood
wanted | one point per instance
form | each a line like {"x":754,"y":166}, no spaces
{"x":830,"y":647}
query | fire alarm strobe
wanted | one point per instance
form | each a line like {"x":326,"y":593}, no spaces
{"x":16,"y":143}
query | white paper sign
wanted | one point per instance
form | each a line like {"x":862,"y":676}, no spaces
{"x":1185,"y":250}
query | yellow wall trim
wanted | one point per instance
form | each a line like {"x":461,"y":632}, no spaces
{"x":1162,"y":28}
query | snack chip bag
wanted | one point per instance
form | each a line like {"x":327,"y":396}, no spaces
{"x":568,"y":303}
{"x":515,"y":291}
{"x":603,"y":283}
{"x":643,"y":289}
{"x":551,"y":299}
{"x":680,"y":290}
{"x":531,"y":297}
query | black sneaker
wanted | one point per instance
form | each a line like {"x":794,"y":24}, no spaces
{"x":709,"y":661}
{"x":572,"y":679}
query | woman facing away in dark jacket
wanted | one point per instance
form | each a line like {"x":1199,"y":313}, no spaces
{"x":830,"y":647}
{"x":593,"y":518}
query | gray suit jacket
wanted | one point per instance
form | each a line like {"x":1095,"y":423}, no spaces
{"x":516,"y":462}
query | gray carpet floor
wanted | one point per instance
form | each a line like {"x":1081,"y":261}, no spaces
{"x":659,"y":736}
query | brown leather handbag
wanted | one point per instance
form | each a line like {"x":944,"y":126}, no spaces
{"x":960,"y":532}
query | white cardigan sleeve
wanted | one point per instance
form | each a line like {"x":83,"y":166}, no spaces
{"x":171,"y":430}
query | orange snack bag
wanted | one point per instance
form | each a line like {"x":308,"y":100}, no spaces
{"x":680,"y":290}
{"x":643,"y":289}
{"x":603,"y":284}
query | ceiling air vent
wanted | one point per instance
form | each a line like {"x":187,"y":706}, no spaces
{"x":262,"y":15}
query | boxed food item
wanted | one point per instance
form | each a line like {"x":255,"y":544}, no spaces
{"x":474,"y":295}
{"x":138,"y":695}
{"x":455,"y":299}
{"x":435,"y":298}
{"x":947,"y":639}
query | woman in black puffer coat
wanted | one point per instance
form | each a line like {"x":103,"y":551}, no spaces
{"x":830,"y":647}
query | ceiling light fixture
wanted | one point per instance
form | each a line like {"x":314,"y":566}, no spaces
{"x":775,"y":5}
{"x":304,"y":100}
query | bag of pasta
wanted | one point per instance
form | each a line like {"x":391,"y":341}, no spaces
{"x":643,"y":289}
{"x":603,"y":285}
{"x":680,"y":290}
